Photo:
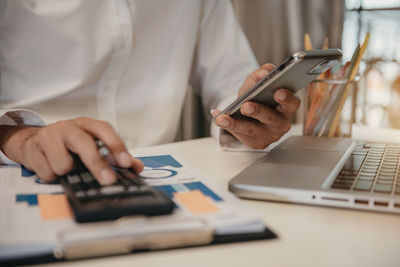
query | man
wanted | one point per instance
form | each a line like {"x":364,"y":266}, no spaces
{"x":76,"y":64}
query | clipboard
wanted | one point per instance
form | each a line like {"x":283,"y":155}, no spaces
{"x":186,"y":240}
{"x":135,"y":234}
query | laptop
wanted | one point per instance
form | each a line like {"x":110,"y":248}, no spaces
{"x":336,"y":172}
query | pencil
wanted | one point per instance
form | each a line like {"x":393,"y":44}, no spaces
{"x":353,"y":73}
{"x":307,"y":42}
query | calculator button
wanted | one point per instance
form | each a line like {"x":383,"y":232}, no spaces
{"x":125,"y":182}
{"x":78,"y":187}
{"x":80,"y":194}
{"x":86,"y":177}
{"x":133,"y":188}
{"x":74,"y":179}
{"x":112,"y":189}
{"x":137,"y":181}
{"x":92,"y":192}
{"x":144,"y":188}
{"x":127,"y":174}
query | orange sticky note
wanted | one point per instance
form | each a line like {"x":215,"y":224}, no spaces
{"x":196,"y":202}
{"x":54,"y":207}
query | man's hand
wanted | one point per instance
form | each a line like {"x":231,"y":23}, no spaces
{"x":47,"y":150}
{"x":270,"y":124}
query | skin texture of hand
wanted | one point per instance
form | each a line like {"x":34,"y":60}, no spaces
{"x":47,"y":150}
{"x":269,"y":124}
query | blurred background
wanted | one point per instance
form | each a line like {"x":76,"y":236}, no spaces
{"x":378,"y":101}
{"x":275,"y":29}
{"x":345,"y":23}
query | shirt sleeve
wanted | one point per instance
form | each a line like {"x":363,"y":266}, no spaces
{"x":223,"y":57}
{"x":16,"y":117}
{"x":223,"y":60}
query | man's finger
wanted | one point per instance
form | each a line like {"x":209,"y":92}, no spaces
{"x":269,"y":67}
{"x":105,"y":132}
{"x":58,"y":157}
{"x":289,"y":102}
{"x":252,"y":79}
{"x":253,"y":142}
{"x":263,"y":114}
{"x":239,"y":126}
{"x":40,"y":165}
{"x":82,"y":144}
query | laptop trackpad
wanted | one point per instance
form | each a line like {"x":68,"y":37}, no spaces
{"x":302,"y":157}
{"x":299,"y":163}
{"x":297,"y":168}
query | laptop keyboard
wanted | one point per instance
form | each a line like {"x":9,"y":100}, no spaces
{"x":372,"y":167}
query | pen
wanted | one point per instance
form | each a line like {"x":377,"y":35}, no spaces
{"x":102,"y":148}
{"x":105,"y":153}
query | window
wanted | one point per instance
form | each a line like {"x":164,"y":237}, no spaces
{"x":378,"y":98}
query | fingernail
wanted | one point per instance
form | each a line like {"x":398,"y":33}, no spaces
{"x":249,"y":109}
{"x":223,"y":123}
{"x":124,"y":159}
{"x":281,"y":95}
{"x":107,"y":177}
{"x":213,"y":112}
{"x":139,"y":165}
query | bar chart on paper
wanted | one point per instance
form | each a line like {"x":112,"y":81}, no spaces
{"x":165,"y":173}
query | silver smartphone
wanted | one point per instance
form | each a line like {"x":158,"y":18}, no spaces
{"x":293,"y":74}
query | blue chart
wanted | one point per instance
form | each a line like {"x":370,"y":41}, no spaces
{"x":160,"y":161}
{"x":31,"y":199}
{"x":157,"y":166}
{"x":157,"y":173}
{"x":171,"y":189}
{"x":25,"y":172}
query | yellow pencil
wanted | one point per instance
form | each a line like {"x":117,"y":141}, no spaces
{"x":307,"y":42}
{"x":353,"y":73}
{"x":325,"y":45}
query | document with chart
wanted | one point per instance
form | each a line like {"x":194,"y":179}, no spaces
{"x":36,"y":218}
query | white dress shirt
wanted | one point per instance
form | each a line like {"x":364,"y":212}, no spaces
{"x":126,"y":62}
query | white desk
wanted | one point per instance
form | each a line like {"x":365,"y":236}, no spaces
{"x":308,"y":235}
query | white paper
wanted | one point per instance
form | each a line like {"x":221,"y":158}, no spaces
{"x":21,"y":225}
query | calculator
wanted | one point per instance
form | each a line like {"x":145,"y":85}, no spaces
{"x":129,"y":195}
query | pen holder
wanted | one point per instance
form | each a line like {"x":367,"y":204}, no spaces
{"x":329,"y":108}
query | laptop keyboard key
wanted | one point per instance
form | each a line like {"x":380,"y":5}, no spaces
{"x":346,"y":177}
{"x":363,"y":185}
{"x":341,"y":186}
{"x":366,"y":177}
{"x":347,"y":172}
{"x":380,"y":181}
{"x":354,"y":162}
{"x":383,"y":188}
{"x":397,"y":190}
